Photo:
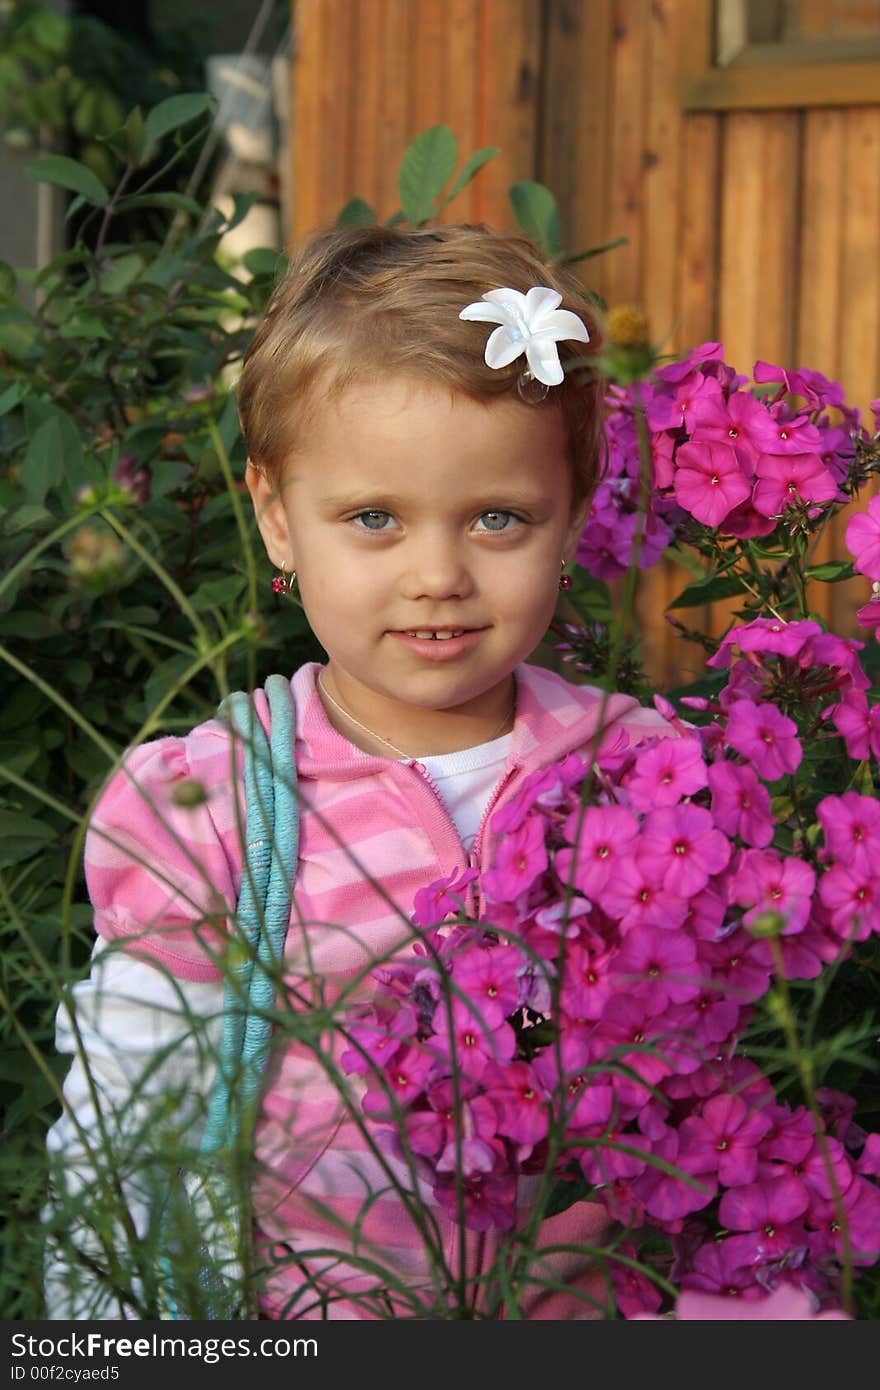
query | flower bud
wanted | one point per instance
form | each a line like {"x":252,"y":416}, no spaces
{"x":133,"y":478}
{"x":627,"y":327}
{"x":253,"y":627}
{"x":97,"y":558}
{"x":189,"y":792}
{"x":766,"y":924}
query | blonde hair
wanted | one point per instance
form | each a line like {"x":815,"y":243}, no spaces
{"x":359,"y":302}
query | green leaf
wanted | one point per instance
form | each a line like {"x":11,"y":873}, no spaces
{"x":18,"y":332}
{"x":536,"y":213}
{"x":834,"y":572}
{"x":469,"y":170}
{"x":10,"y":398}
{"x":174,"y":112}
{"x":25,"y":519}
{"x":427,"y":167}
{"x":169,"y":202}
{"x":28,"y":624}
{"x":214,"y":593}
{"x":54,"y":452}
{"x":356,"y":213}
{"x":7,"y":280}
{"x":135,"y":135}
{"x":50,"y":31}
{"x":69,"y":173}
{"x":84,"y":326}
{"x":595,"y":251}
{"x":708,"y":590}
{"x":262,"y":260}
{"x":120,"y":274}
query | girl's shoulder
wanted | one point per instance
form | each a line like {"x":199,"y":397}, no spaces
{"x":557,"y":710}
{"x":163,"y":852}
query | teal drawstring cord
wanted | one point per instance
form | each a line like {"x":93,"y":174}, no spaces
{"x":262,"y":920}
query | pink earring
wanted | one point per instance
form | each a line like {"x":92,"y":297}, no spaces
{"x":565,"y":580}
{"x":284,"y":583}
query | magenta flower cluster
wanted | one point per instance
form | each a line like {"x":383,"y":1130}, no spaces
{"x":719,"y":454}
{"x":636,"y":911}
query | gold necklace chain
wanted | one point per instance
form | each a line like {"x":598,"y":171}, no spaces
{"x":388,"y":744}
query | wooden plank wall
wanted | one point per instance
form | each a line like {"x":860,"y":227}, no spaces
{"x":757,"y":228}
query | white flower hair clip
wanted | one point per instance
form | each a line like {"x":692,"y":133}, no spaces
{"x":529,"y":323}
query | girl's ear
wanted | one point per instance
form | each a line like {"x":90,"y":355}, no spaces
{"x":271,"y":516}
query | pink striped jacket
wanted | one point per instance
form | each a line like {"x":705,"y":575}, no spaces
{"x":165,"y":877}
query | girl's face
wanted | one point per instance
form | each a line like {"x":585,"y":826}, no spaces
{"x":412,"y":509}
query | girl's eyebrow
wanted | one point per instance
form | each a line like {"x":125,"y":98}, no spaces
{"x":487,"y":501}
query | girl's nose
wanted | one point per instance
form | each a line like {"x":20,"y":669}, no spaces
{"x":436,"y":569}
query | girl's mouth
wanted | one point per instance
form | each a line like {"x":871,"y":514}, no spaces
{"x":440,"y":643}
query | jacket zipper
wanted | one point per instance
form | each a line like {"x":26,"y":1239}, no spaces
{"x":472,"y":859}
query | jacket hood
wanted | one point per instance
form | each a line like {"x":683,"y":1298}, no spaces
{"x":553,"y":716}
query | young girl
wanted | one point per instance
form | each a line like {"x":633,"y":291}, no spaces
{"x":421,"y":460}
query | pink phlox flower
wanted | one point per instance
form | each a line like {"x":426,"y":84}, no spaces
{"x":856,"y":1213}
{"x":783,"y":479}
{"x":663,"y":459}
{"x":653,"y":533}
{"x":658,"y":967}
{"x":852,"y":897}
{"x":602,"y":835}
{"x":736,"y":968}
{"x":634,"y":1292}
{"x":791,"y":1136}
{"x":747,"y":681}
{"x":464,"y":1039}
{"x":662,"y":775}
{"x":677,"y":404}
{"x":862,"y":540}
{"x":765,"y":737}
{"x":769,"y":1212}
{"x":489,"y":978}
{"x":705,"y":914}
{"x":868,"y":616}
{"x":441,"y":898}
{"x":586,"y":1102}
{"x":837,"y":451}
{"x":786,"y":434}
{"x":738,"y":422}
{"x":765,"y":635}
{"x":622,"y":1204}
{"x":803,"y":955}
{"x":681,"y":844}
{"x":769,"y":882}
{"x":586,"y":982}
{"x":710,"y":1017}
{"x":520,"y":858}
{"x":714,"y":1273}
{"x":869,"y":1162}
{"x":709,"y":482}
{"x":851,"y":825}
{"x":812,"y":386}
{"x":489,"y":1200}
{"x":785,"y":1304}
{"x":812,"y":1170}
{"x":616,"y":1156}
{"x":745,"y":522}
{"x":671,"y":715}
{"x":838,"y":1110}
{"x":626,"y":1025}
{"x":724,"y":1138}
{"x":377,"y":1039}
{"x":671,"y":1196}
{"x":705,"y":355}
{"x":741,"y":804}
{"x":521,"y":1102}
{"x":635,"y":896}
{"x":564,"y":916}
{"x":596,"y":552}
{"x":840,"y":656}
{"x":433,"y":1132}
{"x":858,"y":723}
{"x":404,"y":1076}
{"x":535,"y":981}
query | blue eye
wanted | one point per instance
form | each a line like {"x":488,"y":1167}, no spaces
{"x":491,"y":518}
{"x":373,"y":514}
